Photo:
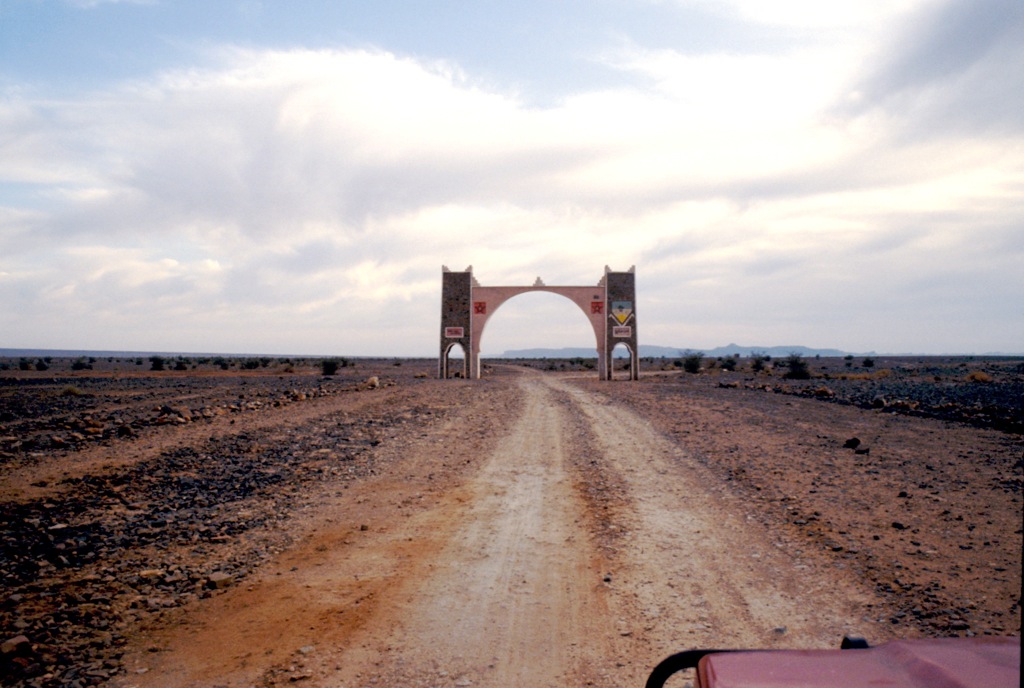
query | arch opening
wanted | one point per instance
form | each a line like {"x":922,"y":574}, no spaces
{"x":537,"y":320}
{"x":622,"y":363}
{"x":454,"y":362}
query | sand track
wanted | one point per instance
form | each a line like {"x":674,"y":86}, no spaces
{"x":578,"y":546}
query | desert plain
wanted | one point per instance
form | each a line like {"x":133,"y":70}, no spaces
{"x":267,"y":525}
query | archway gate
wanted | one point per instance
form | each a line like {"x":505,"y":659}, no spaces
{"x":466,"y":306}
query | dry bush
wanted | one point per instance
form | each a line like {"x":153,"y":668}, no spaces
{"x":877,"y":375}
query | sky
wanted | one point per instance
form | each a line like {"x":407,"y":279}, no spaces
{"x":289,"y":177}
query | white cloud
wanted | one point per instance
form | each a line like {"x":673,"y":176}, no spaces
{"x":269,"y":202}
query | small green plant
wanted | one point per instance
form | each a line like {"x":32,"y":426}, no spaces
{"x":81,"y":364}
{"x":156,"y":362}
{"x":868,"y":362}
{"x":797,"y":368}
{"x":728,"y":363}
{"x":41,"y":365}
{"x":692,"y":361}
{"x":329,"y":366}
{"x":758,"y":361}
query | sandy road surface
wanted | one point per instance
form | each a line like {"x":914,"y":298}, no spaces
{"x":579,"y":548}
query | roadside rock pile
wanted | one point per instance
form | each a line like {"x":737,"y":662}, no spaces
{"x":989,"y":398}
{"x":39,"y":415}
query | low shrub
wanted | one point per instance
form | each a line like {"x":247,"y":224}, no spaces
{"x":692,"y":361}
{"x":797,"y":368}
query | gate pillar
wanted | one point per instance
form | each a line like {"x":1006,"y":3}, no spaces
{"x":620,"y":299}
{"x":456,"y":318}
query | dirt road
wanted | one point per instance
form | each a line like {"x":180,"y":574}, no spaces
{"x":555,"y":539}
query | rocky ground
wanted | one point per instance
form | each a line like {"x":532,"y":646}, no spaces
{"x":909,"y":471}
{"x":127,"y":495}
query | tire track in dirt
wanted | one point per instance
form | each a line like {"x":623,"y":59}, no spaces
{"x":690,"y":569}
{"x":502,"y":577}
{"x":511,"y":598}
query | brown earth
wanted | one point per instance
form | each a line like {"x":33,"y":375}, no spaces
{"x":545,"y":529}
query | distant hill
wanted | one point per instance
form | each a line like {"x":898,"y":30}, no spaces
{"x":651,"y":351}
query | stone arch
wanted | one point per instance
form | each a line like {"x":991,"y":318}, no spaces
{"x":612,"y":374}
{"x":609,"y":306}
{"x":496,"y":297}
{"x":446,"y":359}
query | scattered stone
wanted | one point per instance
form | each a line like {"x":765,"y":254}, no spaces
{"x":181,"y":412}
{"x":862,"y":450}
{"x":219,"y":580}
{"x":18,"y":643}
{"x":851,"y":443}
